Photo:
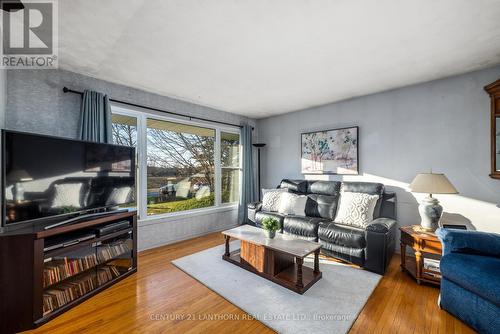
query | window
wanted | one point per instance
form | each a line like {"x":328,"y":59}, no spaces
{"x":124,"y":130}
{"x":230,"y":167}
{"x":180,"y":167}
{"x":183,"y":165}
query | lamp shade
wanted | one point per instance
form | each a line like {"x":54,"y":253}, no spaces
{"x":19,"y":175}
{"x":431,"y":183}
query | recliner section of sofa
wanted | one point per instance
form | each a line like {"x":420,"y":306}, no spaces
{"x":380,"y":244}
{"x":371,"y":247}
{"x":302,"y":226}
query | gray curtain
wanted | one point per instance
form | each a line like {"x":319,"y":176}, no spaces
{"x":95,"y":118}
{"x":247,"y":180}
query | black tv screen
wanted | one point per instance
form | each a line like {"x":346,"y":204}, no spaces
{"x":46,"y":178}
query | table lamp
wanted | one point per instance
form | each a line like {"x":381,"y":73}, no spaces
{"x":429,"y":209}
{"x":18,"y":177}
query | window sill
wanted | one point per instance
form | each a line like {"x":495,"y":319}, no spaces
{"x":167,"y":217}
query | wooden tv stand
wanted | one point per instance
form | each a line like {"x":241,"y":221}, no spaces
{"x":37,"y":285}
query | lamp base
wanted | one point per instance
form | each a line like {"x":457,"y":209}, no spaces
{"x":430,"y":213}
{"x":18,"y":192}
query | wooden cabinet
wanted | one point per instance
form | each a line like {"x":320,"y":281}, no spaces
{"x":425,"y":245}
{"x":493,"y":90}
{"x":44,"y":273}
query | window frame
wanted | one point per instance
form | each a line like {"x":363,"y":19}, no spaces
{"x":239,"y":167}
{"x":142,"y":115}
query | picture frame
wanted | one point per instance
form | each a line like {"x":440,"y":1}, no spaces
{"x":330,"y":152}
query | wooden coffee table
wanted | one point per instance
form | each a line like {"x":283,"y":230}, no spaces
{"x":279,"y":260}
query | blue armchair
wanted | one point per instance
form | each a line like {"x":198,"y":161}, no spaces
{"x":470,"y":284}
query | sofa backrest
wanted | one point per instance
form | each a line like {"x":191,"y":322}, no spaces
{"x":323,"y":196}
{"x":367,"y":188}
{"x":329,"y":188}
{"x":295,"y":186}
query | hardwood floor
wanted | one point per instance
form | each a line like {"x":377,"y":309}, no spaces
{"x":162,"y":299}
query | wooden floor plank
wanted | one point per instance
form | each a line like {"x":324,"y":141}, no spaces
{"x":160,"y":298}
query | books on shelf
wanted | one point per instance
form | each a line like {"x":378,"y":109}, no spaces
{"x":58,"y":269}
{"x":67,"y":291}
{"x":432,"y":265}
{"x":110,"y":251}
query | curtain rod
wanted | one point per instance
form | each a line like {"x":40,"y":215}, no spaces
{"x":67,"y":90}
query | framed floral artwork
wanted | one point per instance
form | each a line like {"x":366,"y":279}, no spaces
{"x":330,"y":151}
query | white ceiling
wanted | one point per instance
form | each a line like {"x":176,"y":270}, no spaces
{"x":260,"y":58}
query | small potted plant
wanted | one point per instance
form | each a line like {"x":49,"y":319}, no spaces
{"x":270,"y":225}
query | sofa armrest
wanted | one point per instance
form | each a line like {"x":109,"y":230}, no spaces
{"x":380,"y":237}
{"x":469,"y":242}
{"x":389,"y":205}
{"x":381,"y":225}
{"x":257,"y":206}
{"x":252,"y":209}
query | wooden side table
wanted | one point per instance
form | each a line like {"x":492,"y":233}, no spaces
{"x":425,"y":245}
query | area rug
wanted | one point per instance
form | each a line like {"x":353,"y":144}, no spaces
{"x":329,"y":306}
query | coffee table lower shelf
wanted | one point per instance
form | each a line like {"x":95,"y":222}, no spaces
{"x":287,"y":277}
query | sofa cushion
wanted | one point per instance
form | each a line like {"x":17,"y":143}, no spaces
{"x":296,"y":186}
{"x":330,"y":188}
{"x":271,"y":200}
{"x":260,"y":215}
{"x":356,"y":209}
{"x":292,"y":204}
{"x":303,"y":227}
{"x":367,"y":188}
{"x":342,"y":235}
{"x":265,"y":190}
{"x":322,"y":206}
{"x":84,"y":191}
{"x":254,"y":205}
{"x":476,"y":273}
{"x":349,"y":254}
{"x":67,"y":195}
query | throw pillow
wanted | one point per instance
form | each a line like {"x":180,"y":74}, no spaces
{"x":264,"y":191}
{"x":67,"y":195}
{"x":271,"y":199}
{"x":119,"y":196}
{"x":292,"y":204}
{"x":356,"y":209}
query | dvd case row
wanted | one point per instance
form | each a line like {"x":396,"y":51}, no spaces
{"x":70,"y":290}
{"x":61,"y":268}
{"x":110,"y":251}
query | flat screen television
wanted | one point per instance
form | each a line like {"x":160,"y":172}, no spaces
{"x":50,"y":179}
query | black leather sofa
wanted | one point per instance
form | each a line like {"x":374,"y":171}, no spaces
{"x":371,"y":247}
